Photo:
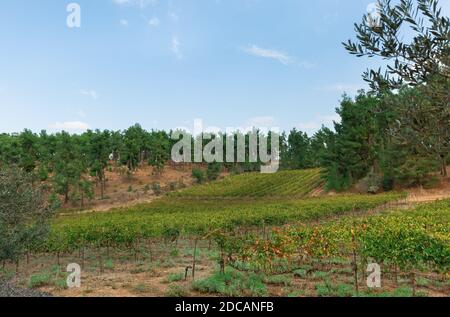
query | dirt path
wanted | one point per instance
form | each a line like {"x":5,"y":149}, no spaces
{"x":111,"y":206}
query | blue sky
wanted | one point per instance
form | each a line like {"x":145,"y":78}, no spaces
{"x":163,"y":63}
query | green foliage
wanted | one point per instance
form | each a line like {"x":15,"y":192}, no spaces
{"x":213,"y":171}
{"x":328,"y":289}
{"x":167,"y":218}
{"x":279,"y":280}
{"x":49,"y":277}
{"x":415,"y":59}
{"x":40,"y":280}
{"x":232,"y":283}
{"x":410,"y":240}
{"x":198,"y":175}
{"x":24,"y":214}
{"x":420,"y":60}
{"x":298,"y":152}
{"x":285,"y":183}
{"x":353,"y":150}
{"x":175,"y":277}
{"x":160,"y":147}
{"x":175,"y":290}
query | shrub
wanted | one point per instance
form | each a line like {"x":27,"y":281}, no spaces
{"x":40,"y":280}
{"x":198,"y":175}
{"x":24,"y":214}
{"x":371,"y":184}
{"x":213,"y":171}
{"x":175,"y":277}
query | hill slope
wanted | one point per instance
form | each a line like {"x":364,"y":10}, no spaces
{"x":299,"y":183}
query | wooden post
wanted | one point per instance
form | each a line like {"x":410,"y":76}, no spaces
{"x":186,"y":272}
{"x":101,"y":259}
{"x":195,"y":255}
{"x":355,"y":272}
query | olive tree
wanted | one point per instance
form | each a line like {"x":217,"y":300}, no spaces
{"x":24,"y":213}
{"x":413,"y":39}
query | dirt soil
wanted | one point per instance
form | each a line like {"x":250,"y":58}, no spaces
{"x":420,"y":194}
{"x":124,"y":190}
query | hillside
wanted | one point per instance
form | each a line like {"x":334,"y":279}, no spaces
{"x":298,"y":184}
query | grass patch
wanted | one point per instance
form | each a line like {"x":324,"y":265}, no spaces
{"x":140,"y":288}
{"x":175,"y":277}
{"x":279,"y":280}
{"x":320,"y":275}
{"x":232,"y":283}
{"x":51,"y":277}
{"x":40,"y":280}
{"x":403,"y":291}
{"x":301,"y":273}
{"x":328,"y":289}
{"x":109,"y":264}
{"x":176,"y":290}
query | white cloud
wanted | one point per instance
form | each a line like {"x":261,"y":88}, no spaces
{"x":70,"y":126}
{"x":175,"y":47}
{"x":320,"y":120}
{"x":124,"y":22}
{"x":154,"y":22}
{"x":281,"y":57}
{"x":91,"y":93}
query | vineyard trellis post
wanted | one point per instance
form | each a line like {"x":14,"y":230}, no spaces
{"x":194,"y":257}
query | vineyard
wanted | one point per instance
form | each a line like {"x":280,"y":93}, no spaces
{"x":191,"y":217}
{"x":310,"y":247}
{"x":253,"y":235}
{"x":402,"y":242}
{"x":282,"y":184}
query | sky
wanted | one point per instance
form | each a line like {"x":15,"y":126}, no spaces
{"x":165,"y":63}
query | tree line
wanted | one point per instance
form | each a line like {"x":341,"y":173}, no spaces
{"x":72,"y":164}
{"x":397,"y":133}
